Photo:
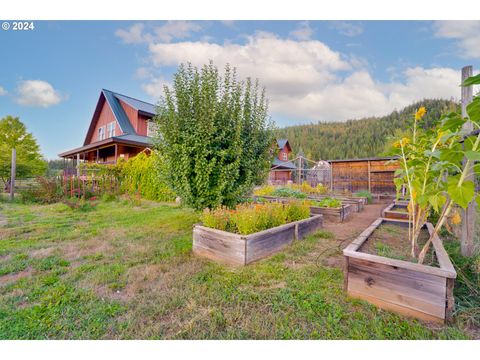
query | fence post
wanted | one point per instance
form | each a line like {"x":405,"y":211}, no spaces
{"x":12,"y":173}
{"x":468,"y":215}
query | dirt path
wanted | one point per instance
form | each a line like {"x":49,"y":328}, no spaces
{"x":357,"y":222}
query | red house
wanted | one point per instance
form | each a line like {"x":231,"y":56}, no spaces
{"x":121,"y":127}
{"x":281,"y":170}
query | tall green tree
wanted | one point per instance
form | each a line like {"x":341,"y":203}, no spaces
{"x":215,"y":135}
{"x":13,"y":134}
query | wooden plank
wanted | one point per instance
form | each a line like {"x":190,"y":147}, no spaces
{"x":440,"y":253}
{"x":428,"y":281}
{"x":309,"y":226}
{"x":229,"y":249}
{"x":400,"y":264}
{"x":450,"y":305}
{"x":374,"y":286}
{"x":395,"y":308}
{"x":261,"y":247}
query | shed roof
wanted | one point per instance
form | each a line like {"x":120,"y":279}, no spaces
{"x":364,"y":159}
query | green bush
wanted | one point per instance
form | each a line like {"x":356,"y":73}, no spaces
{"x":45,"y":191}
{"x":143,"y":174}
{"x":327,"y":202}
{"x":365,"y":193}
{"x":289,"y":192}
{"x":215,"y":135}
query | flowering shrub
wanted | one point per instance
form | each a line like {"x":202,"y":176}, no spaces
{"x":306,"y":188}
{"x":250,"y":218}
{"x":265,"y":190}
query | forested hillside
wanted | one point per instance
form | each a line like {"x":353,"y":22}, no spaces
{"x":357,"y":138}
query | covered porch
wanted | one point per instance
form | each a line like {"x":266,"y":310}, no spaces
{"x":107,"y":151}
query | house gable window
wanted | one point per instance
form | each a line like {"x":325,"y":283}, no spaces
{"x":284,"y":156}
{"x":111,"y":129}
{"x":101,"y":133}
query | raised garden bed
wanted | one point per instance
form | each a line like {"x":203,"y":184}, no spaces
{"x":396,"y":210}
{"x":337,"y":214}
{"x":411,"y":289}
{"x":238,"y":249}
{"x":358,"y":204}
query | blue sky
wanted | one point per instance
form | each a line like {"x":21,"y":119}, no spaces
{"x":51,"y":76}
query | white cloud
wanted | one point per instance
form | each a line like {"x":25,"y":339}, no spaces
{"x":303,"y":31}
{"x":283,"y":65}
{"x":154,"y":88}
{"x":347,"y":28}
{"x":305,"y":79}
{"x":37,"y":93}
{"x":132,"y":35}
{"x":3,"y":91}
{"x":167,"y":32}
{"x":466,"y":33}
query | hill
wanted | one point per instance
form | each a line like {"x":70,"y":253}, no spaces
{"x":358,"y":138}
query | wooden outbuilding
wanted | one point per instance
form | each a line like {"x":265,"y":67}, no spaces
{"x":372,"y":174}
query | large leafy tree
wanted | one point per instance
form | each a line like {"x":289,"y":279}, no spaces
{"x":215,"y":135}
{"x":13,"y":134}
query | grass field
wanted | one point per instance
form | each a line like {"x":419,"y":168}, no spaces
{"x":127,"y":272}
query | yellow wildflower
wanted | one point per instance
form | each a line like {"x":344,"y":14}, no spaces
{"x":420,"y":113}
{"x":405,"y":141}
{"x":397,"y":144}
{"x":456,"y":218}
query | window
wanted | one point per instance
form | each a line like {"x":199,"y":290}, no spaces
{"x":151,"y":128}
{"x":284,"y":156}
{"x":101,"y":133}
{"x":111,"y":129}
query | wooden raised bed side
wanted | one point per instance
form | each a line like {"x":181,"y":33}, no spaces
{"x":236,"y":249}
{"x":339,"y":214}
{"x":390,"y":213}
{"x":410,"y":289}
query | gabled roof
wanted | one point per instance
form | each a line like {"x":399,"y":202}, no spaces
{"x":113,"y":101}
{"x":278,"y":164}
{"x":140,"y":105}
{"x":282,"y":142}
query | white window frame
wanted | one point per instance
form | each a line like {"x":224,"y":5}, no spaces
{"x":111,"y":129}
{"x":284,"y":156}
{"x":101,"y":133}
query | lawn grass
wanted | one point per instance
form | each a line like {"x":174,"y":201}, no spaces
{"x":127,"y":272}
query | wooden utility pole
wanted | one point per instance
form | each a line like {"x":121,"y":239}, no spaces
{"x":468,"y":215}
{"x":12,"y":174}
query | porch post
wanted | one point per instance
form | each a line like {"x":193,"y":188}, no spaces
{"x":98,"y":155}
{"x":115,"y":153}
{"x":78,"y":164}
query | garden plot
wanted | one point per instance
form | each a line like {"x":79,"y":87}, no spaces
{"x":379,"y":269}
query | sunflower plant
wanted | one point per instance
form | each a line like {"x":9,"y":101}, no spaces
{"x":432,"y":172}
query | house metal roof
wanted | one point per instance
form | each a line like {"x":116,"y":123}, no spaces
{"x":140,"y":105}
{"x":129,"y":139}
{"x":118,"y":112}
{"x":278,"y":164}
{"x":281,"y":143}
